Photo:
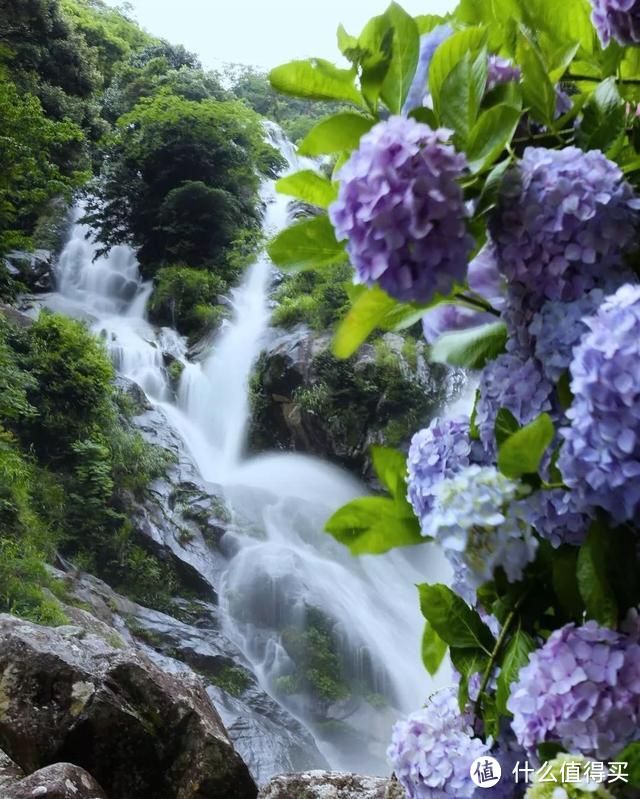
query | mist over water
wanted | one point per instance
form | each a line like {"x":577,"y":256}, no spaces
{"x":283,"y":578}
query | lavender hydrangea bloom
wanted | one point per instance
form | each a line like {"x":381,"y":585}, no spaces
{"x":484,"y":278}
{"x":600,"y":459}
{"x":437,"y":452}
{"x":482,"y":523}
{"x":501,"y":70}
{"x":513,"y":383}
{"x":564,"y":217}
{"x":401,"y":209}
{"x":558,"y":327}
{"x":618,"y":19}
{"x":432,"y":751}
{"x":581,"y":689}
{"x":429,"y":43}
{"x":559,"y":518}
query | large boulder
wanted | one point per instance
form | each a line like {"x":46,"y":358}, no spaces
{"x":307,"y":400}
{"x":35,"y":270}
{"x":10,"y":772}
{"x":330,"y":785}
{"x":60,"y":781}
{"x":69,"y":696}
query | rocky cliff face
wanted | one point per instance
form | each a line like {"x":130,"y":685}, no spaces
{"x":304,"y":399}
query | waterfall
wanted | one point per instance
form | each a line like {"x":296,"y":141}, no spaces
{"x":287,"y":589}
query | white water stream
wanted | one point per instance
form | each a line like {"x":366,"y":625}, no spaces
{"x":282,"y":568}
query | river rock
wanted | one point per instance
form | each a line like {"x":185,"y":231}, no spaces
{"x":10,"y":772}
{"x":68,"y":696}
{"x":36,"y":270}
{"x":60,"y":781}
{"x":330,"y":785}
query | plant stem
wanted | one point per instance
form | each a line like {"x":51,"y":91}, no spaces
{"x":478,"y":303}
{"x":506,"y":627}
{"x":592,"y":79}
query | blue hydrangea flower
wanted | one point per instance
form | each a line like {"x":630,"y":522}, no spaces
{"x":564,"y":217}
{"x":501,"y":70}
{"x":582,"y":690}
{"x":600,"y":458}
{"x":559,"y":518}
{"x":429,"y":43}
{"x":558,"y":327}
{"x":482,"y":522}
{"x":513,"y":383}
{"x":437,"y":452}
{"x":617,"y":19}
{"x":485,"y":279}
{"x":401,"y":209}
{"x":432,"y":751}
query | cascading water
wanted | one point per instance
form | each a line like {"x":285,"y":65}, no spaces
{"x":293,"y":600}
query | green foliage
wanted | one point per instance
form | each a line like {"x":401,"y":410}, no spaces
{"x":373,"y":525}
{"x":434,"y":649}
{"x":306,"y":245}
{"x":186,"y":298}
{"x":453,"y":620}
{"x":471,"y":348}
{"x":317,"y":298}
{"x":522,"y":452}
{"x":180,"y":180}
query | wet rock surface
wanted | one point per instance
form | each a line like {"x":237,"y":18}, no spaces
{"x":68,"y":696}
{"x":60,"y":781}
{"x":35,"y":270}
{"x":330,"y":785}
{"x":10,"y":772}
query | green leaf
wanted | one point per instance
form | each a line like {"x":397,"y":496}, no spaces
{"x":404,"y":58}
{"x":374,"y":525}
{"x":522,"y":452}
{"x":603,"y":117}
{"x":450,"y":53}
{"x":490,"y":135}
{"x":308,"y":186}
{"x":453,"y":620}
{"x":631,"y":756}
{"x":470,"y":348}
{"x":316,"y":79}
{"x":506,"y":425}
{"x":376,"y":52}
{"x":361,"y":320}
{"x":593,"y":582}
{"x":565,"y":582}
{"x":515,"y":657}
{"x":490,"y":191}
{"x":461,"y":95}
{"x":347,"y":44}
{"x":305,"y":245}
{"x":538,"y":92}
{"x":335,"y":134}
{"x":433,"y":649}
{"x":391,"y":467}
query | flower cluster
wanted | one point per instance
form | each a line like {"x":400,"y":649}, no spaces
{"x":617,"y":19}
{"x":600,"y":459}
{"x":564,"y":218}
{"x":482,"y":523}
{"x":581,"y":689}
{"x":501,"y":70}
{"x":429,"y":43}
{"x":515,"y":384}
{"x":401,"y":209}
{"x":432,"y":751}
{"x":436,"y":453}
{"x":551,"y":783}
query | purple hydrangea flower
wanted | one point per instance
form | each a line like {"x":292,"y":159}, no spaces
{"x":501,"y":70}
{"x":617,"y":19}
{"x":401,"y":209}
{"x":564,"y":217}
{"x":581,"y":689}
{"x":482,"y":522}
{"x":513,"y":383}
{"x":432,"y":751}
{"x":600,"y":459}
{"x":484,"y":279}
{"x":429,"y":43}
{"x":559,"y":518}
{"x":437,"y":452}
{"x":558,"y":327}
